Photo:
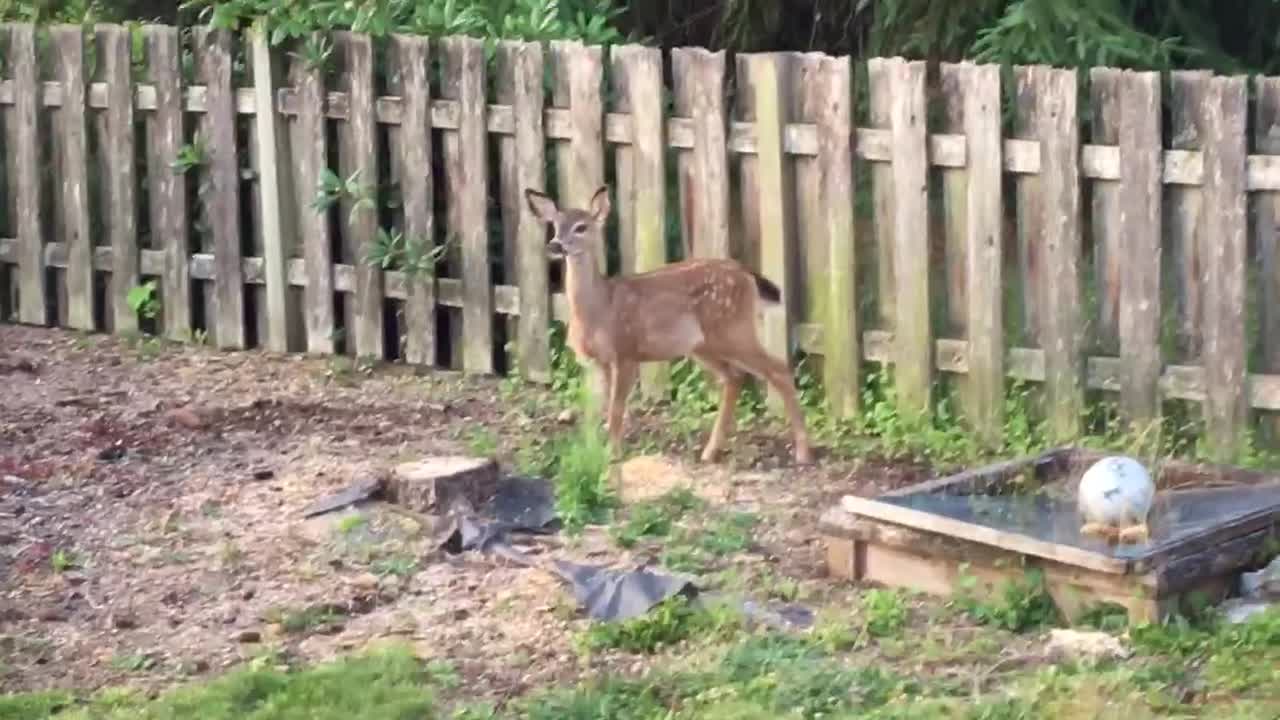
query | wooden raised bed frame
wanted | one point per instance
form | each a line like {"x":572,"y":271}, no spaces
{"x":890,"y":544}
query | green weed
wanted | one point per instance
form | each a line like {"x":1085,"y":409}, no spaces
{"x":584,"y":493}
{"x":63,"y":560}
{"x":1019,"y":605}
{"x":655,"y":518}
{"x":671,"y":622}
{"x":385,"y":684}
{"x":302,"y":620}
{"x":884,"y":612}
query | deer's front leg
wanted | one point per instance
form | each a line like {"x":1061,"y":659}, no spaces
{"x":622,"y":376}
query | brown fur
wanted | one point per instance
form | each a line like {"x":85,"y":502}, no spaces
{"x":704,"y":308}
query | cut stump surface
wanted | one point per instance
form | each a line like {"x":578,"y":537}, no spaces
{"x":441,"y":484}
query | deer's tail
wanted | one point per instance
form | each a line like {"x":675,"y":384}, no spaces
{"x":768,"y":291}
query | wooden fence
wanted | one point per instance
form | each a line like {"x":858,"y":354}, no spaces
{"x":994,"y":242}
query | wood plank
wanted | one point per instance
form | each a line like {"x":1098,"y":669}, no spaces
{"x":168,"y":200}
{"x":120,"y":189}
{"x":842,"y":354}
{"x":699,"y":94}
{"x":1026,"y":545}
{"x":810,"y":247}
{"x":1226,"y":406}
{"x":468,"y":179}
{"x":746,"y":218}
{"x":312,"y":156}
{"x":1028,"y":202}
{"x":583,"y":68}
{"x":1061,"y":330}
{"x":531,"y":267}
{"x":255,"y":295}
{"x":684,"y":64}
{"x":879,"y":85}
{"x":346,"y":248}
{"x":773,"y":177}
{"x":1183,"y":221}
{"x":1106,"y":216}
{"x":1267,"y":238}
{"x":508,"y":193}
{"x":68,"y":45}
{"x":952,"y":223}
{"x":623,"y":173}
{"x":1139,"y":254}
{"x":22,"y":142}
{"x":641,"y":68}
{"x":363,"y":226}
{"x":412,"y":167}
{"x":913,"y":331}
{"x":984,"y":250}
{"x":222,"y":197}
{"x":274,"y":195}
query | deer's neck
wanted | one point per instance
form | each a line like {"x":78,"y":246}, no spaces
{"x":586,"y":289}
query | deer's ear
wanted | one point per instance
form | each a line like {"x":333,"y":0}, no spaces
{"x":600,"y":204}
{"x":542,"y":206}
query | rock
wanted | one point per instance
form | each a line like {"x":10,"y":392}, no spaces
{"x":123,"y":620}
{"x":1264,"y":583}
{"x":1239,"y":610}
{"x":53,"y":614}
{"x":247,"y":636}
{"x":442,"y":483}
{"x":1067,"y":644}
{"x":365,"y":581}
{"x":11,"y":613}
{"x":565,"y":417}
{"x":184,"y":417}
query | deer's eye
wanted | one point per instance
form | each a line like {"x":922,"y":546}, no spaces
{"x":579,"y":229}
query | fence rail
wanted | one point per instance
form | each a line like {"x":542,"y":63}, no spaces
{"x":997,"y":240}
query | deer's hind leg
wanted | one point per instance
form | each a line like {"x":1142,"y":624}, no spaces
{"x":622,"y":377}
{"x":759,"y":362}
{"x":730,"y":379}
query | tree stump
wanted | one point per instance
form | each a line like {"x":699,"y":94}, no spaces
{"x":442,"y":484}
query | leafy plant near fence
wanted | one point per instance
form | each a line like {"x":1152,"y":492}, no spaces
{"x":591,"y":21}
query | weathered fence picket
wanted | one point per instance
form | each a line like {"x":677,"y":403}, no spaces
{"x":73,"y":169}
{"x":168,"y":201}
{"x":765,"y":172}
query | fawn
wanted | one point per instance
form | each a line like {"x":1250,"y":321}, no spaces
{"x":705,"y":308}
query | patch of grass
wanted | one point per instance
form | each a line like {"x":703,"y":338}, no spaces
{"x":584,"y":493}
{"x":351,"y":524}
{"x":63,"y":560}
{"x":670,"y":622}
{"x":386,"y":684}
{"x":396,"y":565}
{"x":482,"y":443}
{"x":34,"y":706}
{"x":776,"y":675}
{"x":729,"y":533}
{"x":1019,"y":605}
{"x":655,"y":518}
{"x":133,"y":662}
{"x":884,"y":612}
{"x":1108,"y":617}
{"x":1237,"y":659}
{"x":302,"y":620}
{"x":610,"y":698}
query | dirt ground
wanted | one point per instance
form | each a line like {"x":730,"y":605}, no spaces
{"x":150,"y":530}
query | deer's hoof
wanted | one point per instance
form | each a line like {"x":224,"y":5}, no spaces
{"x":804,"y":456}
